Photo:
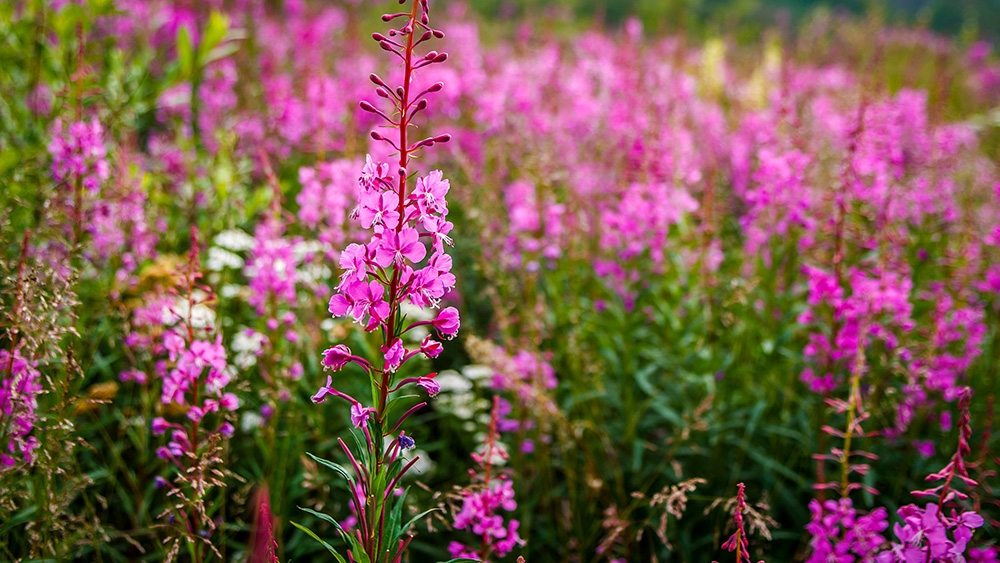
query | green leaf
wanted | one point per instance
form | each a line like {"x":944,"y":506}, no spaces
{"x":215,"y":32}
{"x":334,"y":466}
{"x":185,"y":52}
{"x":324,"y":517}
{"x":417,"y":517}
{"x":328,"y":547}
{"x":19,"y":518}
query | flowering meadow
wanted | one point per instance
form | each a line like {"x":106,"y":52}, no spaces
{"x":380,"y":282}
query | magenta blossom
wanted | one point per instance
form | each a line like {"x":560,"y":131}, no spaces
{"x":337,"y":357}
{"x":360,"y":414}
{"x":430,"y":347}
{"x":447,"y":322}
{"x":397,"y":248}
{"x":394,"y":355}
{"x":432,"y":387}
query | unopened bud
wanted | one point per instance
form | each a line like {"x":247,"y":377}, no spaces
{"x":402,"y":171}
{"x":378,"y":37}
{"x":377,"y":136}
{"x":442,"y":138}
{"x":431,"y":55}
{"x":382,"y":93}
{"x":436,"y":87}
{"x":439,"y":34}
{"x":386,"y":46}
{"x":442,"y":57}
{"x":367,"y":106}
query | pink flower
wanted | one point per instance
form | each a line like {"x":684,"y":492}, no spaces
{"x":438,"y":227}
{"x":327,"y":389}
{"x":160,"y":425}
{"x":353,"y":263}
{"x":359,"y":414}
{"x":394,"y":355}
{"x":431,"y":348}
{"x":379,"y":210}
{"x":432,"y":387}
{"x":395,"y":248}
{"x":230,"y":402}
{"x":430,"y":193}
{"x":447,"y":322}
{"x":337,"y":357}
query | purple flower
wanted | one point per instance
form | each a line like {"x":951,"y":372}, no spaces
{"x":359,"y":414}
{"x":406,"y":442}
{"x":160,"y":425}
{"x":432,"y":387}
{"x":353,"y":263}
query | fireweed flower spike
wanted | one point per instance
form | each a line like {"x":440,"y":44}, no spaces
{"x":939,"y":532}
{"x":391,"y":265}
{"x":483,"y":501}
{"x":738,"y":541}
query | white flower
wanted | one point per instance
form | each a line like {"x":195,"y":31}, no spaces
{"x":234,"y":239}
{"x":476,"y":372}
{"x":415,"y":313}
{"x":246,"y":344}
{"x":220,"y":258}
{"x":451,"y":380}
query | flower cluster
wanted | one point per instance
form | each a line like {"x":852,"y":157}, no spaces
{"x":536,"y":227}
{"x":19,"y":387}
{"x":197,"y":379}
{"x":482,"y":503}
{"x":389,"y":264}
{"x":840,"y":533}
{"x":78,"y":153}
{"x":271,"y":268}
{"x":930,"y":534}
{"x":324,"y":201}
{"x":924,"y":536}
{"x":196,"y":371}
{"x":738,"y":541}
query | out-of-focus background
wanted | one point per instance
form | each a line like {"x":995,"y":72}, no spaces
{"x":970,"y":18}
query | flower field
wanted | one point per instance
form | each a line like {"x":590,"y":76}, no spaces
{"x":380,"y":282}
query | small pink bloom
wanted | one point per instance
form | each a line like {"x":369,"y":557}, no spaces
{"x":320,"y":395}
{"x":379,"y":210}
{"x":226,"y":429}
{"x":394,"y":355}
{"x":337,"y":357}
{"x":432,"y":387}
{"x":359,"y":414}
{"x":160,"y":425}
{"x":447,"y":322}
{"x":229,"y":401}
{"x":430,"y":347}
{"x":396,"y":248}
